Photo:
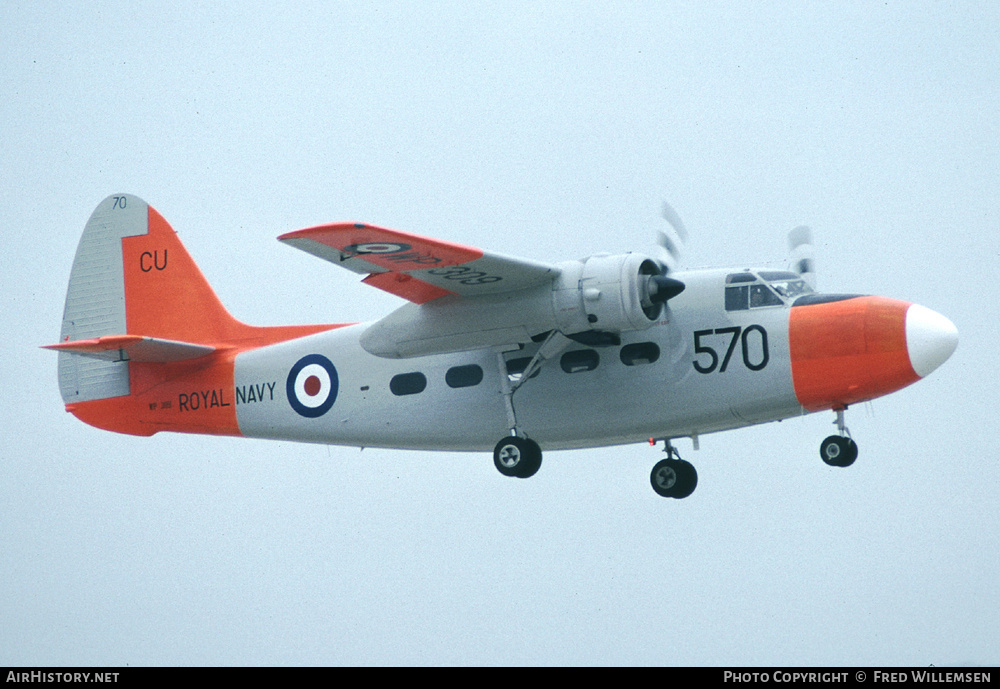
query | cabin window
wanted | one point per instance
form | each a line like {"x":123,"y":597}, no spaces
{"x":640,"y":353}
{"x":579,"y":361}
{"x":515,"y":367}
{"x":408,"y":383}
{"x":464,"y":376}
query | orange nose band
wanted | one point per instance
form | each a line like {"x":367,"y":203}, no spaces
{"x":849,"y":351}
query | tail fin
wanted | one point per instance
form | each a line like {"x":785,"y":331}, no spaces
{"x":136,"y":295}
{"x":132,"y":275}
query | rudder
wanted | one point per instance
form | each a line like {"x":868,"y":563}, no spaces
{"x":95,"y":299}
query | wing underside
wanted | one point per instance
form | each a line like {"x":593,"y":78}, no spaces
{"x":418,"y":268}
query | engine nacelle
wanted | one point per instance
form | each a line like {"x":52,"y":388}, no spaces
{"x":601,"y":294}
{"x":611,"y":293}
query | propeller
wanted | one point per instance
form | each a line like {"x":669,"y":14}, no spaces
{"x":659,"y":287}
{"x":671,"y":243}
{"x":801,"y":253}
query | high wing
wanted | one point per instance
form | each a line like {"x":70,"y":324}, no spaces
{"x":417,"y":268}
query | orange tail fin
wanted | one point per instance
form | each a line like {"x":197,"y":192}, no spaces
{"x":140,"y":320}
{"x":166,"y":295}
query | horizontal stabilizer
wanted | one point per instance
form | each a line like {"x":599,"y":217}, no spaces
{"x":133,"y":348}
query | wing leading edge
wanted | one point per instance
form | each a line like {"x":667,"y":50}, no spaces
{"x":418,"y":269}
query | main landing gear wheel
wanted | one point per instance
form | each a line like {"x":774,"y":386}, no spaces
{"x":673,"y":478}
{"x":517,"y":456}
{"x":839,"y":451}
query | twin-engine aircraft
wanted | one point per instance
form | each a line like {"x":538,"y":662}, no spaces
{"x":491,"y":351}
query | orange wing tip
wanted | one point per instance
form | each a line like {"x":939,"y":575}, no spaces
{"x":388,"y":249}
{"x":311,"y":232}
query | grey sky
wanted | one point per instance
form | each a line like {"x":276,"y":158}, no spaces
{"x":550,"y":131}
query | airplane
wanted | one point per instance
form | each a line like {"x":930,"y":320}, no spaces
{"x":490,"y":351}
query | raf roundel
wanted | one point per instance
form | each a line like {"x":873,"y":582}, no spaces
{"x":312,"y":385}
{"x":377,"y":248}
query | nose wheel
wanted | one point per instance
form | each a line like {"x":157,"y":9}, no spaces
{"x":839,"y":450}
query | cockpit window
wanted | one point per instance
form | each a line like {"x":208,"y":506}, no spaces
{"x":737,"y":298}
{"x":791,"y":288}
{"x":748,"y":290}
{"x":760,"y":295}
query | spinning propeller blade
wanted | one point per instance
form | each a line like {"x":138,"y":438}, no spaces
{"x":801,"y":253}
{"x":660,"y":288}
{"x":671,"y":242}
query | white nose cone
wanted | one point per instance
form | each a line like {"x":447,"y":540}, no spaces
{"x":930,"y":339}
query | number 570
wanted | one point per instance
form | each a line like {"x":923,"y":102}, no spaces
{"x":753,"y":337}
